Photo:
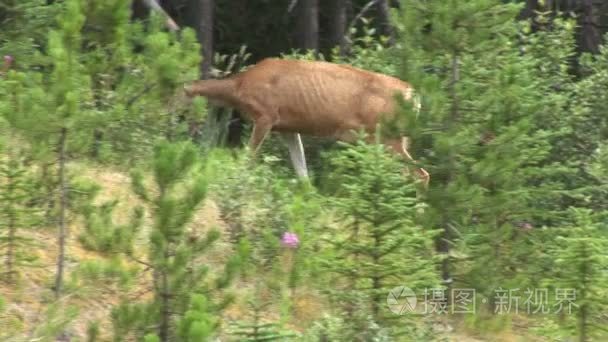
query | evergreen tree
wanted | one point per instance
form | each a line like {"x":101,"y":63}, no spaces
{"x":257,"y":330}
{"x":489,"y":134}
{"x":102,"y":234}
{"x":135,"y":71}
{"x":512,"y":165}
{"x":136,"y":95}
{"x":60,"y":113}
{"x":70,"y":90}
{"x":25,"y":26}
{"x":198,"y":324}
{"x":590,"y":133}
{"x":376,"y":208}
{"x":558,"y":114}
{"x":16,"y":188}
{"x":580,"y":277}
{"x":182,"y":290}
{"x":440,"y":40}
{"x":47,"y":109}
{"x":598,"y":168}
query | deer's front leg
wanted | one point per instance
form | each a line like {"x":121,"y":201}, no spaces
{"x":401,"y":147}
{"x":422,"y":173}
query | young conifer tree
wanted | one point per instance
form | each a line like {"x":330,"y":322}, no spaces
{"x":376,"y":245}
{"x":439,"y":40}
{"x":180,"y":280}
{"x":102,"y":234}
{"x":598,"y":170}
{"x":256,"y":329}
{"x":481,"y":134}
{"x":46,"y":110}
{"x":512,"y":164}
{"x":92,"y":81}
{"x":581,"y":262}
{"x":25,"y":26}
{"x":137,"y":72}
{"x":16,"y":189}
{"x":590,"y":132}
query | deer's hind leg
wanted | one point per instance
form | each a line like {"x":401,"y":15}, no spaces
{"x":296,"y":153}
{"x":262,"y":125}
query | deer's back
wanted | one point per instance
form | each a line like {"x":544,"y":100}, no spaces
{"x":320,"y":98}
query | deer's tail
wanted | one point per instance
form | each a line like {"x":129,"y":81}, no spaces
{"x":221,"y":90}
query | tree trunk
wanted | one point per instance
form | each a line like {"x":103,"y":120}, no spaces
{"x":528,"y":11}
{"x":455,"y":78}
{"x":350,"y":13}
{"x":583,"y":323}
{"x":203,"y":22}
{"x":591,"y":38}
{"x":97,"y":141}
{"x":165,"y":312}
{"x":49,"y":186}
{"x":206,"y":33}
{"x":139,"y":10}
{"x":308,"y":25}
{"x":443,"y":242}
{"x":62,"y":229}
{"x":377,"y":279}
{"x":338,"y":25}
{"x":584,"y":284}
{"x":201,"y":17}
{"x":384,"y":20}
{"x":12,"y":236}
{"x":589,"y":13}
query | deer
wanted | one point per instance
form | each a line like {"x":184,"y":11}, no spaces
{"x":315,"y":98}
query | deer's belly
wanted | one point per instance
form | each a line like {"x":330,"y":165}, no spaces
{"x":320,"y":128}
{"x":313,"y":130}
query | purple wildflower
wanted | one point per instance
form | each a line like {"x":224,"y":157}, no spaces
{"x":290,"y":240}
{"x":8,"y":58}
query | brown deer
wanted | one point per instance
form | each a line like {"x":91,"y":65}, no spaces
{"x":309,"y":97}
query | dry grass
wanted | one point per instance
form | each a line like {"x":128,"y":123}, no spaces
{"x":27,"y":298}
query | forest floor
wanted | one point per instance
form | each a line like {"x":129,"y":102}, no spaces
{"x":27,"y":312}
